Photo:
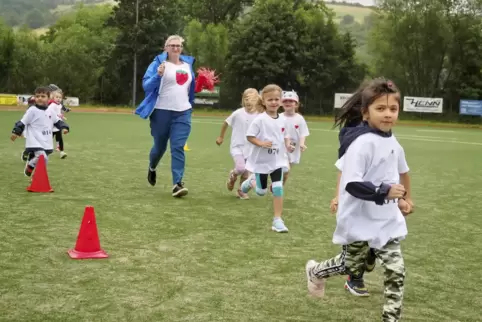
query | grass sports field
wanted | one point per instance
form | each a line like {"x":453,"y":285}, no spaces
{"x":210,"y":257}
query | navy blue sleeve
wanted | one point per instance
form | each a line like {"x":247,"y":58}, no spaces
{"x":65,"y":109}
{"x":368,"y":191}
{"x":62,"y":125}
{"x":18,"y":128}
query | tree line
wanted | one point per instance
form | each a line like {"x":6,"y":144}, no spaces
{"x":430,"y":48}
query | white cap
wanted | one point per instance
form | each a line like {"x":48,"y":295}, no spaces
{"x":291,"y":95}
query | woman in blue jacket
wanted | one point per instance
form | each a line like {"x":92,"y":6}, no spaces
{"x":169,"y":86}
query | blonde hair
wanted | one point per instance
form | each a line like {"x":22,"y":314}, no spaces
{"x":173,"y":37}
{"x":53,"y":93}
{"x":269,"y":89}
{"x":251,"y":101}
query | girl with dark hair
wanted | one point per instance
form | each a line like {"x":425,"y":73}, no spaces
{"x":369,"y":215}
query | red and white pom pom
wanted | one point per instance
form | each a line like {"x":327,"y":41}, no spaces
{"x":206,"y":79}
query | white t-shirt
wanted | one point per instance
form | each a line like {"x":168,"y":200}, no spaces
{"x":264,"y":160}
{"x":379,"y":160}
{"x":39,"y":126}
{"x":296,"y":128}
{"x":240,"y":120}
{"x":57,"y":110}
{"x":174,"y":88}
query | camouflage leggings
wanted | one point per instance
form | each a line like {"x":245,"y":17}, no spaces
{"x":352,"y":260}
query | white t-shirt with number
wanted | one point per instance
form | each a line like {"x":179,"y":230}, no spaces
{"x":296,"y":128}
{"x":266,"y":160}
{"x":174,"y":88}
{"x":39,"y":126}
{"x":379,"y":160}
{"x":240,"y":120}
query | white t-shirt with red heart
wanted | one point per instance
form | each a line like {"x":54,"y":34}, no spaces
{"x":174,"y":88}
{"x":296,"y":128}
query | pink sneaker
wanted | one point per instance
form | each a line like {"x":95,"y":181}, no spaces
{"x":232,"y":180}
{"x":241,"y":195}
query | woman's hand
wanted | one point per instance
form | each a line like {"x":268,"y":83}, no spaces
{"x":161,"y":69}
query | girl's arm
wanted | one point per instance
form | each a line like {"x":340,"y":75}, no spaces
{"x":258,"y":142}
{"x":334,"y":201}
{"x":223,"y":129}
{"x":304,"y":132}
{"x":405,"y":181}
{"x":220,"y":139}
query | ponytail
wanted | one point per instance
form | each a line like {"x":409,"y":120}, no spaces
{"x":351,"y":114}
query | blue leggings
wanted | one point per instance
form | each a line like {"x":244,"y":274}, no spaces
{"x":174,"y":127}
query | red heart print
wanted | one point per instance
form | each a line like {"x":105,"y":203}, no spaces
{"x":296,"y":126}
{"x":282,"y":129}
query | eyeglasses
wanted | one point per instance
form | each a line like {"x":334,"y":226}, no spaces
{"x":175,"y":46}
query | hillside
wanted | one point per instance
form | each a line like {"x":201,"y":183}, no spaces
{"x":357,"y":20}
{"x":38,"y":13}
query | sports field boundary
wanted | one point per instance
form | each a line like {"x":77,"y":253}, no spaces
{"x":325,"y":119}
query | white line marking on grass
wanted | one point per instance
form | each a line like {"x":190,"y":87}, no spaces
{"x":441,"y":131}
{"x":405,"y":137}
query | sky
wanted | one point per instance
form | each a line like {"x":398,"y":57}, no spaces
{"x":363,"y":2}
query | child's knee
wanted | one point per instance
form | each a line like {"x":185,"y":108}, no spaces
{"x":277,"y":189}
{"x":260,"y":192}
{"x":240,"y":168}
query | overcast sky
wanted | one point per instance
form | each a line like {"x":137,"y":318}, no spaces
{"x":363,"y":2}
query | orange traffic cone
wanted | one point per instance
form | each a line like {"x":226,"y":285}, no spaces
{"x":88,"y":244}
{"x":40,"y":180}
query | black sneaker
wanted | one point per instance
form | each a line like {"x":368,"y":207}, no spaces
{"x":25,"y":156}
{"x":28,"y":170}
{"x":356,"y":286}
{"x":371,"y":261}
{"x":179,"y":190}
{"x":151,"y":177}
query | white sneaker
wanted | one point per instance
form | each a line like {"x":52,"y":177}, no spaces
{"x":63,"y":155}
{"x":279,"y":226}
{"x":316,"y":287}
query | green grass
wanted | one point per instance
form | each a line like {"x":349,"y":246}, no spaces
{"x":211,"y":257}
{"x":359,"y":13}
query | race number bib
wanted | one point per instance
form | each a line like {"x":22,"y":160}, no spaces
{"x":47,"y":132}
{"x":268,"y":155}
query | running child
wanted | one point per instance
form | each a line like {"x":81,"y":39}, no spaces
{"x":56,"y":108}
{"x":30,"y":103}
{"x":369,"y":193}
{"x":39,"y":123}
{"x":355,"y":284}
{"x":268,"y":155}
{"x":240,"y":120}
{"x":296,"y":129}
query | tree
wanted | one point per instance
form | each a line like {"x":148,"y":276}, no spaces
{"x":295,"y":45}
{"x":209,"y":44}
{"x":78,"y":47}
{"x":34,"y":19}
{"x":214,"y":11}
{"x":429,"y":47}
{"x":157,"y":20}
{"x":7,"y":48}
